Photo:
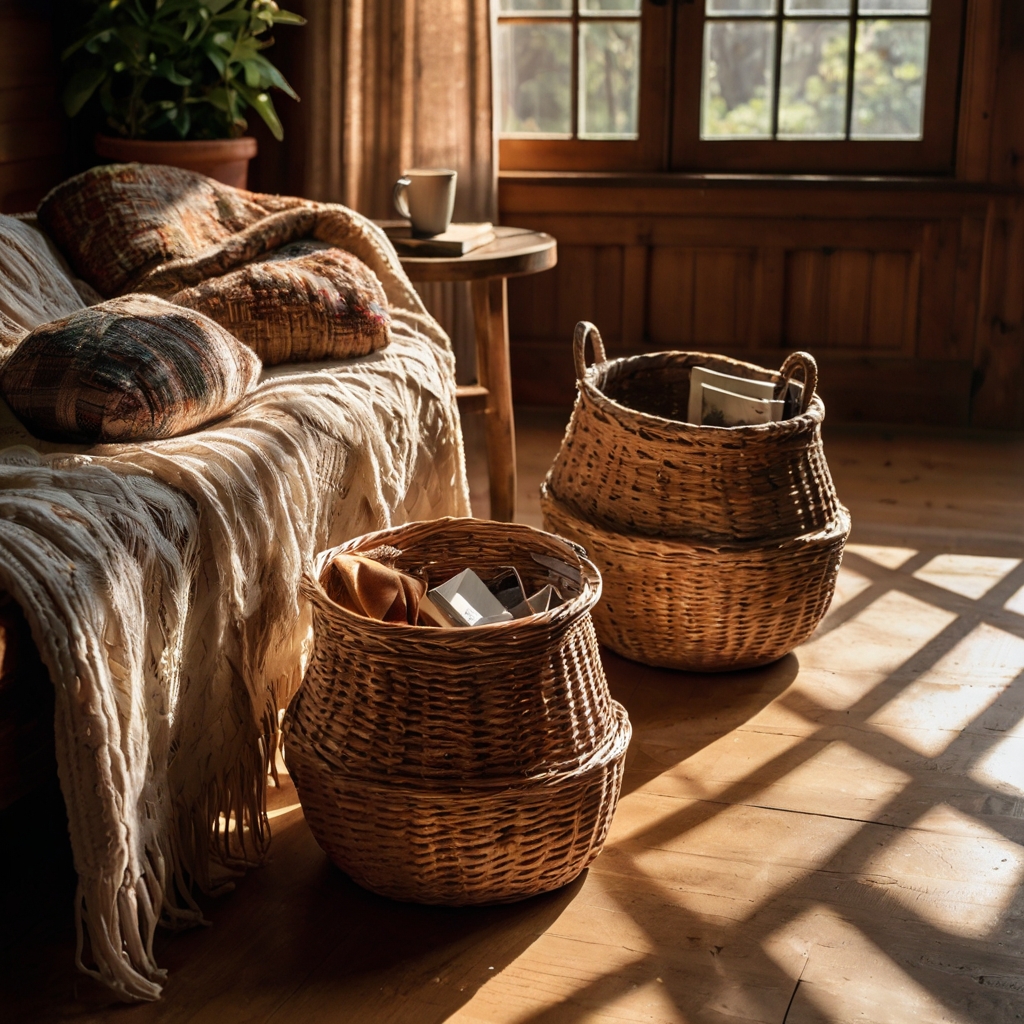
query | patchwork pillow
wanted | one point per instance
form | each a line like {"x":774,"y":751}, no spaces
{"x":128,"y":369}
{"x":117,"y":222}
{"x":303,"y":302}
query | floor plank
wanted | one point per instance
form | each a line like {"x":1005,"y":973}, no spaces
{"x":837,"y":837}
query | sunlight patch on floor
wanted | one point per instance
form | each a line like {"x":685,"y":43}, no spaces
{"x":848,"y":977}
{"x":736,"y":759}
{"x":885,"y":635}
{"x":279,"y":811}
{"x":960,"y":883}
{"x":1002,"y":767}
{"x":885,"y":556}
{"x":838,"y":778}
{"x":1016,"y":603}
{"x":954,"y":692}
{"x":970,"y":576}
{"x":849,"y":584}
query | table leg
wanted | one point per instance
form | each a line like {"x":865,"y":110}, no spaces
{"x":490,"y":315}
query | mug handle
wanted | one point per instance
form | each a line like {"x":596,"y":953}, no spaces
{"x":398,"y":196}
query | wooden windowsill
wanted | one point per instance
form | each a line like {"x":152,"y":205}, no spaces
{"x":679,"y":180}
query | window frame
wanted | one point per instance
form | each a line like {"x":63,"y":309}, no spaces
{"x":934,"y":153}
{"x":649,"y":151}
{"x":672,"y":45}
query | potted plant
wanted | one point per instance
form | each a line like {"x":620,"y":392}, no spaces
{"x":173,"y":79}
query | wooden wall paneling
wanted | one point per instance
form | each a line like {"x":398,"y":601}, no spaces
{"x":525,"y":196}
{"x":29,"y":139}
{"x":998,"y":399}
{"x":804,"y":291}
{"x":893,"y":302}
{"x":608,"y":293}
{"x":848,"y":293}
{"x":940,"y":247}
{"x":31,"y":122}
{"x":978,"y":90}
{"x":880,"y":282}
{"x":727,"y":232}
{"x":967,"y":287}
{"x":670,"y":297}
{"x":769,"y":298}
{"x":587,"y":284}
{"x":1006,"y":163}
{"x":574,"y":283}
{"x":634,"y":295}
{"x":723,"y":290}
{"x":532,"y":301}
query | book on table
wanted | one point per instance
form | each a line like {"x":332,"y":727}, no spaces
{"x":456,"y":241}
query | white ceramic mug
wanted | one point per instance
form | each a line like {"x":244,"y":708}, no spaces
{"x":427,"y":198}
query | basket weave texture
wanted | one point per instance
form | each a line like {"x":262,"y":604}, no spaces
{"x":458,"y":766}
{"x":706,"y":607}
{"x":719,"y":546}
{"x":629,"y":461}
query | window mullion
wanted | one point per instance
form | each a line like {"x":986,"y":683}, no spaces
{"x":777,"y":68}
{"x":576,"y":84}
{"x":851,"y":57}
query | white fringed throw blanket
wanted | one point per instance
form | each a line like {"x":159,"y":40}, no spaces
{"x":160,"y":582}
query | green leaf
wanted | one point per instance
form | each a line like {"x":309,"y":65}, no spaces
{"x":253,"y":74}
{"x":288,"y":18}
{"x":273,"y":76}
{"x":182,"y":121}
{"x":219,"y":98}
{"x":80,"y":88}
{"x":264,"y":106}
{"x":103,"y":35}
{"x":217,"y":56}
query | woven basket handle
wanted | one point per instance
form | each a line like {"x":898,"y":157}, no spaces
{"x":585,"y":329}
{"x":799,"y":361}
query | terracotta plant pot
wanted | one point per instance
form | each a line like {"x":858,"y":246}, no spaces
{"x":226,"y":160}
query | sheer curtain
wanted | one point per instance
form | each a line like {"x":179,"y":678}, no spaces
{"x":391,"y":84}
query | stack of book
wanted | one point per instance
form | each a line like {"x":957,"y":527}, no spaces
{"x":456,"y":241}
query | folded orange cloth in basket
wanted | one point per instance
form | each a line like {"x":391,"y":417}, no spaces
{"x":364,"y":586}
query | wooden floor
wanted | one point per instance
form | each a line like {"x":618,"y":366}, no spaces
{"x":838,"y":837}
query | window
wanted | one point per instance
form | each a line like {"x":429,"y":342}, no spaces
{"x":849,"y":86}
{"x":814,"y":69}
{"x":569,"y":69}
{"x":570,"y":76}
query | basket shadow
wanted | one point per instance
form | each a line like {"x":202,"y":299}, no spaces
{"x":675,"y":714}
{"x":339,"y":946}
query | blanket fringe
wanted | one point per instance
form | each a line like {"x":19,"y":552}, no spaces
{"x":94,"y":546}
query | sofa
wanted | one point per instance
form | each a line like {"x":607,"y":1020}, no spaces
{"x":151,"y":629}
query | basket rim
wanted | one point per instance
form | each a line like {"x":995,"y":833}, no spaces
{"x":835,"y":527}
{"x":579,"y":605}
{"x":814,"y":414}
{"x":611,"y":750}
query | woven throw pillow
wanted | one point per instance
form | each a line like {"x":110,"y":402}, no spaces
{"x":303,"y":302}
{"x":128,"y":369}
{"x":117,"y":222}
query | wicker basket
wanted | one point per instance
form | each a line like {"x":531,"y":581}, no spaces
{"x":706,"y":607}
{"x":629,"y":461}
{"x":458,"y":766}
{"x":492,"y":841}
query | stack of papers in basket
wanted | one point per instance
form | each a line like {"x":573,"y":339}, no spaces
{"x":722,"y":400}
{"x":466,"y":600}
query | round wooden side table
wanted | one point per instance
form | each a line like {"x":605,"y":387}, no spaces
{"x":513,"y":253}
